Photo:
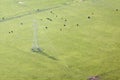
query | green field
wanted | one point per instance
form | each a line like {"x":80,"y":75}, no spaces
{"x":82,"y":40}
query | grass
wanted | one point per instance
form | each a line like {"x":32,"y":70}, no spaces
{"x":92,"y":48}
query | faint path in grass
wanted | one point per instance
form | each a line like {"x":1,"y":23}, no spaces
{"x":105,"y":76}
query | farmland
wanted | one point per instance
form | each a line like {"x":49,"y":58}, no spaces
{"x":79,"y":39}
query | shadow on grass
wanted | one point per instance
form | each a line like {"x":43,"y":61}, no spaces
{"x":47,"y":55}
{"x":39,"y":52}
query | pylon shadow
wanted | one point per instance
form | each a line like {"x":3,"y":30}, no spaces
{"x":47,"y":55}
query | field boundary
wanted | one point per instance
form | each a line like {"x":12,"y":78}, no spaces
{"x":27,"y":13}
{"x":4,"y":19}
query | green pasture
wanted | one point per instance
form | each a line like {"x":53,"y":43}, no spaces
{"x":82,"y":40}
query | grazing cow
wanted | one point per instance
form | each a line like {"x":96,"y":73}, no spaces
{"x":116,"y":9}
{"x":77,"y":24}
{"x":60,"y":29}
{"x":51,"y":12}
{"x":65,"y":19}
{"x":11,"y":31}
{"x":38,"y":10}
{"x":64,"y":25}
{"x":3,"y":18}
{"x":46,"y":27}
{"x":89,"y":17}
{"x":21,"y":23}
{"x":49,"y":19}
{"x":92,"y":13}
